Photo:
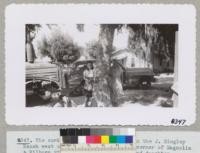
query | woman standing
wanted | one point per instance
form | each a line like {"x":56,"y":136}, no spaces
{"x":88,"y":76}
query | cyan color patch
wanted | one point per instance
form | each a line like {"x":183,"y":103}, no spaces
{"x":121,"y":139}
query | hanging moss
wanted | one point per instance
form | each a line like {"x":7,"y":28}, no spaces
{"x":150,"y":40}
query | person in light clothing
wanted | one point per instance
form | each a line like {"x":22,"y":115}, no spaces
{"x":88,"y":76}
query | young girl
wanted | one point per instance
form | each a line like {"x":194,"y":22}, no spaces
{"x":88,"y":76}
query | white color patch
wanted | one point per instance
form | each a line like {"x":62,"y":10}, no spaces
{"x":81,"y":139}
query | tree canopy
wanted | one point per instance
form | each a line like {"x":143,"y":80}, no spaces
{"x":59,"y":47}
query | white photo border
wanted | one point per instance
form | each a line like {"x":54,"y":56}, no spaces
{"x":17,"y":15}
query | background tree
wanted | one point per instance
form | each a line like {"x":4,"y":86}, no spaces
{"x":141,"y":39}
{"x":59,"y":46}
{"x":92,"y":48}
{"x":61,"y":49}
{"x":152,"y":43}
{"x":30,"y":35}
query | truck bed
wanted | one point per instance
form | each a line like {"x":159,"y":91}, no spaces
{"x":41,"y":71}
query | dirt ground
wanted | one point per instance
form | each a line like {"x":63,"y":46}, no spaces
{"x":159,"y":91}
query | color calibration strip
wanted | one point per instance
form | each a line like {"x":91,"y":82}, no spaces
{"x":98,"y":136}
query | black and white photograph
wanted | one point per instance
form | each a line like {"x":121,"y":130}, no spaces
{"x":101,"y":65}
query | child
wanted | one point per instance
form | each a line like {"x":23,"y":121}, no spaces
{"x":88,"y":76}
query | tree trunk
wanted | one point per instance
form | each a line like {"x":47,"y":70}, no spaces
{"x":60,"y":75}
{"x":116,"y":73}
{"x":108,"y":84}
{"x":29,"y":50}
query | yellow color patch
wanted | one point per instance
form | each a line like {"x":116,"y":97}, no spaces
{"x":105,"y":139}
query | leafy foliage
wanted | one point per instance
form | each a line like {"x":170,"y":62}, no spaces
{"x":155,"y":37}
{"x":43,"y":47}
{"x":93,"y":48}
{"x":149,"y":40}
{"x":80,"y":27}
{"x":60,"y":47}
{"x":32,"y":27}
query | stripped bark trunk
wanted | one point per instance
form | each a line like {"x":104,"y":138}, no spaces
{"x":107,"y":79}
